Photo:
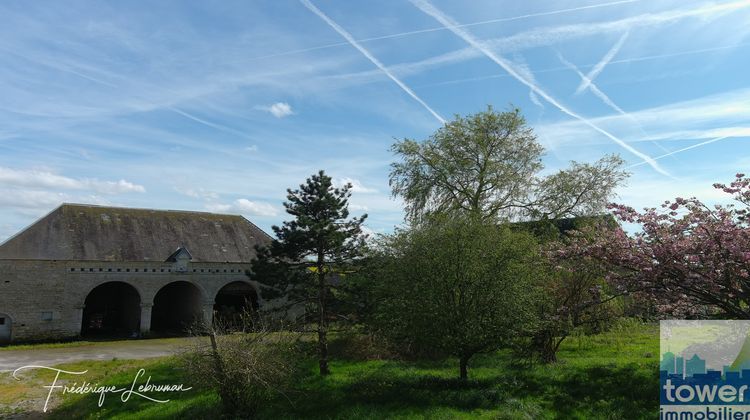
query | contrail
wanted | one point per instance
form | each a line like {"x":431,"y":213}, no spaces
{"x":449,"y":23}
{"x":508,"y":19}
{"x":593,"y":88}
{"x":622,"y":61}
{"x":209,"y":123}
{"x":535,"y":99}
{"x":546,"y":36}
{"x":682,"y":150}
{"x":370,"y":57}
{"x":422,"y":31}
{"x":586,"y":80}
{"x":59,"y":66}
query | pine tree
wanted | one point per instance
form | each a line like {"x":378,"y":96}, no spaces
{"x":304,"y":263}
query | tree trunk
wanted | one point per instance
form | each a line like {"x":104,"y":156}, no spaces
{"x":548,"y":347}
{"x":463,"y":363}
{"x":323,"y":351}
{"x":548,"y":355}
{"x":322,"y":323}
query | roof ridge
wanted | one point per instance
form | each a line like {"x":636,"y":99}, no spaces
{"x":99,"y":206}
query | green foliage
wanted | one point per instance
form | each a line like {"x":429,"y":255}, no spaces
{"x":474,"y":164}
{"x":459,"y":287}
{"x":574,"y":301}
{"x":321,"y":229}
{"x":487,"y":165}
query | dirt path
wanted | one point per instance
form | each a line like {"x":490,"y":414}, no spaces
{"x":135,"y":349}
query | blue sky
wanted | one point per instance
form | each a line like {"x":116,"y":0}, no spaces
{"x":220,"y":106}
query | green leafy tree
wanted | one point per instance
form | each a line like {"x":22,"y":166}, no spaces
{"x":573,"y":300}
{"x":455,"y":286}
{"x":574,"y":297}
{"x":488,"y":164}
{"x":305,"y":262}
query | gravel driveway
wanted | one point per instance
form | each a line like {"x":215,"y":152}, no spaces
{"x":135,"y":349}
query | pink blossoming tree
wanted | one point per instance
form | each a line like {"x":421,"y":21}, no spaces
{"x":689,"y":260}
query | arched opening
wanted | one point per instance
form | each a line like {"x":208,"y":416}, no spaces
{"x":177,"y":307}
{"x":6,"y":325}
{"x":112,"y":309}
{"x":234,"y":300}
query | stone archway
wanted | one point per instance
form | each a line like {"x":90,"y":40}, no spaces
{"x":233,"y":301}
{"x":177,"y":308}
{"x":112,"y":309}
{"x":6,"y":328}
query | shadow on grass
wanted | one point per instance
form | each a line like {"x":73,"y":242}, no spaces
{"x":383,"y":389}
{"x":595,"y":392}
{"x":626,"y":391}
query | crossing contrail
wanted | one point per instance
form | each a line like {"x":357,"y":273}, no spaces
{"x":592,"y":87}
{"x":587,"y":79}
{"x":509,"y":67}
{"x":428,"y":30}
{"x":606,"y":99}
{"x":370,"y":57}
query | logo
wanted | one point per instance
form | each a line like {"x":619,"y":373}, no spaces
{"x":704,"y":371}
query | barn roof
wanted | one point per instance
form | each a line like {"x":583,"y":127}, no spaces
{"x":95,"y":233}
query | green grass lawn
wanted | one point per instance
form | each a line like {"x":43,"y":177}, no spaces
{"x":609,"y":376}
{"x":94,"y":343}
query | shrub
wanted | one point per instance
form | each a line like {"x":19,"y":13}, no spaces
{"x":247,"y":370}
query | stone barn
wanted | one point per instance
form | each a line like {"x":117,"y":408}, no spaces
{"x":103,"y":271}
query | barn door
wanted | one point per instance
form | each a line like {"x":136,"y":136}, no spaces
{"x":4,"y":328}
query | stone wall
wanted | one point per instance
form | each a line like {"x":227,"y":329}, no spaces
{"x":45,"y":299}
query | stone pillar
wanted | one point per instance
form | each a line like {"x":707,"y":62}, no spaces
{"x":208,"y":313}
{"x":79,"y":318}
{"x":146,"y":317}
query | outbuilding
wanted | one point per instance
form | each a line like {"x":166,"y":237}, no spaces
{"x":86,"y":270}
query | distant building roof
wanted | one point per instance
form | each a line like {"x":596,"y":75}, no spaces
{"x":96,"y":233}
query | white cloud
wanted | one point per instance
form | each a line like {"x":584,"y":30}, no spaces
{"x":116,"y":187}
{"x":278,"y":110}
{"x":35,"y":203}
{"x":198,"y":193}
{"x":29,"y":194}
{"x":47,"y":179}
{"x":31,"y":199}
{"x":244,"y":206}
{"x":357,"y":186}
{"x":252,"y":149}
{"x":650,"y":192}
